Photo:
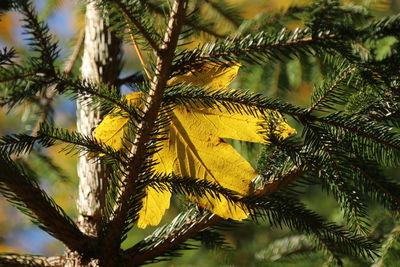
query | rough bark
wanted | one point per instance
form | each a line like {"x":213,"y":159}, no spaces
{"x":100,"y":63}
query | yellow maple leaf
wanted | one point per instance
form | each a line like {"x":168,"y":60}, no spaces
{"x":194,"y":146}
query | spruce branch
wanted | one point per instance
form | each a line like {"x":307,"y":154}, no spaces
{"x":103,"y":95}
{"x":6,"y":56}
{"x":337,"y":176}
{"x":227,"y":13}
{"x":280,"y":209}
{"x":259,"y":48}
{"x":183,"y":227}
{"x":143,"y":31}
{"x":48,"y":134}
{"x":389,"y":249}
{"x":371,"y":180}
{"x":20,"y":144}
{"x":246,"y":102}
{"x":370,"y":130}
{"x":20,"y":190}
{"x":323,"y":98}
{"x":42,"y":40}
{"x":50,"y":93}
{"x":21,"y":260}
{"x":115,"y":228}
{"x":196,"y":26}
{"x":191,"y":187}
{"x":138,"y":255}
{"x":16,"y":76}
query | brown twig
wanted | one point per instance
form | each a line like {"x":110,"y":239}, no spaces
{"x":139,"y":53}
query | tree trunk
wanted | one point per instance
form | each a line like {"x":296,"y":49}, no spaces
{"x":100,"y":63}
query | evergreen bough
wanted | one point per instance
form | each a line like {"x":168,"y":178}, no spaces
{"x":347,"y":136}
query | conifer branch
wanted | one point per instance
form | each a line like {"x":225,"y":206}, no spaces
{"x":375,"y":177}
{"x":191,"y":227}
{"x":17,"y":77}
{"x":223,"y":12}
{"x":257,"y":48}
{"x":354,"y":129}
{"x":281,"y":209}
{"x":329,"y":90}
{"x":51,"y":92}
{"x":99,"y":93}
{"x":245,"y":101}
{"x":25,"y":194}
{"x":16,"y":260}
{"x":76,"y":139}
{"x":115,"y":228}
{"x":196,"y":26}
{"x":138,"y":25}
{"x":42,"y":40}
{"x":6,"y":56}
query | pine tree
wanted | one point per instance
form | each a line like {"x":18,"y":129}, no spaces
{"x":347,"y":137}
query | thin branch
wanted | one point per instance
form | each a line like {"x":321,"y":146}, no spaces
{"x":207,"y":30}
{"x":8,"y":259}
{"x":138,"y":26}
{"x":354,"y":129}
{"x":190,"y":58}
{"x":75,"y":53}
{"x":395,"y":197}
{"x":301,"y":114}
{"x":114,"y":230}
{"x":52,"y":90}
{"x":140,"y":56}
{"x":223,"y":13}
{"x":209,"y":219}
{"x":9,"y":79}
{"x":78,"y":143}
{"x":275,"y":45}
{"x":35,"y":202}
{"x":333,"y":86}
